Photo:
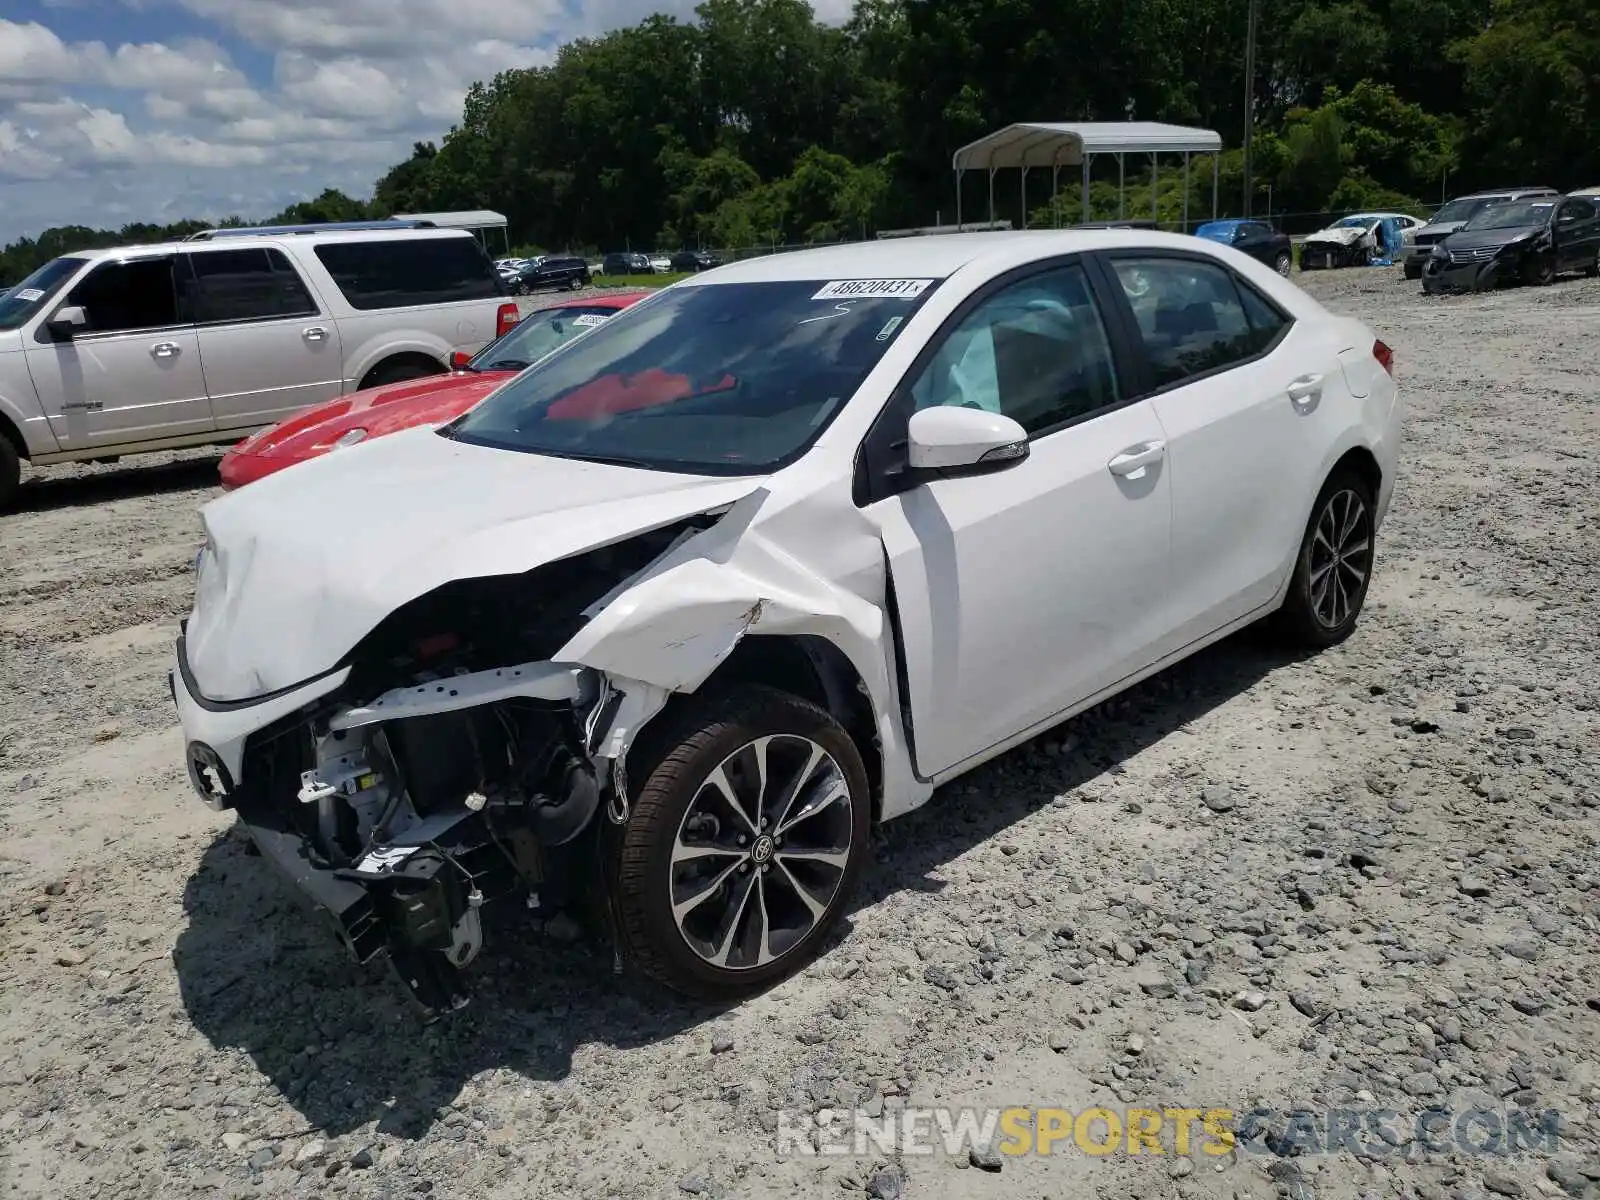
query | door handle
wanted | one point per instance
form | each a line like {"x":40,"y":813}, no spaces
{"x":165,"y":350}
{"x":1306,"y":390}
{"x":315,"y":334}
{"x":1136,"y":458}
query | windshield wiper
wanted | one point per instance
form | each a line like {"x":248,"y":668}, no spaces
{"x":504,"y":364}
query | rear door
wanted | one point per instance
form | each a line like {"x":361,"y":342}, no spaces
{"x":267,"y":348}
{"x":133,"y":375}
{"x":1247,"y":398}
{"x":1256,"y":240}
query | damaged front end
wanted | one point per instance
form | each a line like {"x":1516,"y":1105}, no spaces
{"x":425,"y":779}
{"x":1332,"y":249}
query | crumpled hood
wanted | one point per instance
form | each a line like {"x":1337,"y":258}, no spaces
{"x":1347,"y":235}
{"x":302,"y":564}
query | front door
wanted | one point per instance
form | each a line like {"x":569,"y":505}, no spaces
{"x":1022,"y":592}
{"x":133,"y":375}
{"x":1577,"y":235}
{"x":267,"y":348}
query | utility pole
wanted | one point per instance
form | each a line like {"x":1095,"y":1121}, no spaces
{"x":1249,"y":95}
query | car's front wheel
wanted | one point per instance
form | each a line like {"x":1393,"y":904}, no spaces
{"x":10,"y":471}
{"x":1412,"y":271}
{"x":1334,"y":566}
{"x":743,"y":845}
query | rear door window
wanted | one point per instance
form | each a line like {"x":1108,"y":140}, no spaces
{"x":400,"y":272}
{"x":1192,"y":318}
{"x":247,"y":285}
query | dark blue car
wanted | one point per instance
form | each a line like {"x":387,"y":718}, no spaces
{"x":1256,"y":238}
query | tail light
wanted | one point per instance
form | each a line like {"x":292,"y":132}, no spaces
{"x":1384,"y":355}
{"x":506,"y":319}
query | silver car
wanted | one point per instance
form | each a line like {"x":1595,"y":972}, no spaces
{"x":112,"y":352}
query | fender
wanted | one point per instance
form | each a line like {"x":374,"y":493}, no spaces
{"x":19,"y":406}
{"x":673,"y":624}
{"x":359,"y":360}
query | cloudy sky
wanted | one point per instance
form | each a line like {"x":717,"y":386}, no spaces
{"x":150,"y":110}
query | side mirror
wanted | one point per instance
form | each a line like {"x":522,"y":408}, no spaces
{"x":459,"y":360}
{"x":948,"y":441}
{"x":67,"y":321}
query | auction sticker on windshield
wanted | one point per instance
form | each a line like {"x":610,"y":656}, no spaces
{"x":587,"y":320}
{"x":904,"y":289}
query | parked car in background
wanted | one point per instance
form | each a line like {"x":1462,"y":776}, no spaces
{"x":1256,"y":238}
{"x":372,"y":414}
{"x":660,"y":263}
{"x":1517,"y":241}
{"x":1355,"y":240}
{"x":689,"y":261}
{"x":1453,"y":215}
{"x":552,"y":271}
{"x":620,"y":262}
{"x":112,"y":352}
{"x":855,"y":520}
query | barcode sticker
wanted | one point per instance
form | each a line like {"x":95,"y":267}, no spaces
{"x":901,"y":289}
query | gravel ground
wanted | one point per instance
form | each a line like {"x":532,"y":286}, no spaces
{"x":1363,"y":880}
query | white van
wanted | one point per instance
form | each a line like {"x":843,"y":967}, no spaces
{"x":113,"y":352}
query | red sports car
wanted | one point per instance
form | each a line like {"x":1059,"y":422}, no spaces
{"x":432,"y":400}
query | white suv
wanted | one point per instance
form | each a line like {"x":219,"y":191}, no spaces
{"x":111,"y":352}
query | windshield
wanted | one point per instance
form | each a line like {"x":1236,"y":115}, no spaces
{"x":537,"y":334}
{"x":1353,"y":223}
{"x":717,"y":379}
{"x":27,"y":297}
{"x":1460,"y":209}
{"x":1512,"y":216}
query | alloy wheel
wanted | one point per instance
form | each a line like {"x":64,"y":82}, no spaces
{"x":761,"y":852}
{"x":1341,"y":557}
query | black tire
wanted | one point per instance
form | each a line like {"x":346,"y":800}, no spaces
{"x":719,"y":734}
{"x":1307,"y":617}
{"x":1593,"y":269}
{"x":1412,"y":272}
{"x":10,"y":472}
{"x":1541,"y":271}
{"x":399,"y":372}
{"x":1283,"y":263}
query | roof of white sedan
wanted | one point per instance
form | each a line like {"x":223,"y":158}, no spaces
{"x":932,"y":257}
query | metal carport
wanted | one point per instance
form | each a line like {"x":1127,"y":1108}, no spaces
{"x":1048,"y":144}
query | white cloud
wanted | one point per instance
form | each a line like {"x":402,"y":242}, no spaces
{"x":100,"y":134}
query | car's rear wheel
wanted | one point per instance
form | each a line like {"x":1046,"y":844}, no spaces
{"x":744,"y":843}
{"x":1283,"y":262}
{"x":1334,"y":566}
{"x":400,"y":370}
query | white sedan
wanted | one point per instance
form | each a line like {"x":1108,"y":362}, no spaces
{"x":662,"y":626}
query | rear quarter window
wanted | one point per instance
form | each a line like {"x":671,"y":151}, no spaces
{"x":404,"y":272}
